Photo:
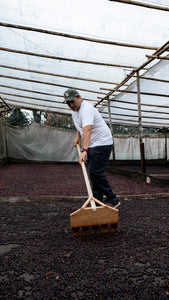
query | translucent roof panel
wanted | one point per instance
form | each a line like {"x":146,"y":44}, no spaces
{"x":49,"y":46}
{"x":154,"y":99}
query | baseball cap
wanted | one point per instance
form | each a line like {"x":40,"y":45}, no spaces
{"x":70,"y":94}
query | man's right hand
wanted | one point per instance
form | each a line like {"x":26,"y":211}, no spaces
{"x":76,"y":142}
{"x":77,"y":139}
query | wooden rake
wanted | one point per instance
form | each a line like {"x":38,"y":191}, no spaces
{"x":93,"y":219}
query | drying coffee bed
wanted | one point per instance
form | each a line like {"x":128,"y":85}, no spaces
{"x":41,"y":259}
{"x":66,"y":180}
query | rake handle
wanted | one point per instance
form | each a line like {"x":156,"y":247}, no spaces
{"x":88,"y":186}
{"x":89,"y":190}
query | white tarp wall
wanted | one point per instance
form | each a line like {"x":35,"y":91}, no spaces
{"x":128,"y":148}
{"x":38,"y":142}
{"x":2,"y":142}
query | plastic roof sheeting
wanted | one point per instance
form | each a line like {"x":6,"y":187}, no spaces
{"x":41,"y":60}
{"x":154,"y":99}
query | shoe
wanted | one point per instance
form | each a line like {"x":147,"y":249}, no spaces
{"x":117,"y":204}
{"x":113,"y":205}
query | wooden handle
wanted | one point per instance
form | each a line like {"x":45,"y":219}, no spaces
{"x":89,"y":190}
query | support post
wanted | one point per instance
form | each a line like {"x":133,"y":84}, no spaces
{"x":111,"y":129}
{"x":142,"y":156}
{"x":6,"y":147}
{"x":166,"y":145}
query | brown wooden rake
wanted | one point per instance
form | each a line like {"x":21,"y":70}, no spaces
{"x":93,"y":219}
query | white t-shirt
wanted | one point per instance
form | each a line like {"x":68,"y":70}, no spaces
{"x":88,"y":115}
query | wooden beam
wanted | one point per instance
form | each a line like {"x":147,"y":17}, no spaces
{"x":133,"y":92}
{"x":146,"y":5}
{"x":72,"y":36}
{"x":135,"y":123}
{"x":27,"y":90}
{"x":161,"y":50}
{"x":142,"y":110}
{"x":134,"y":103}
{"x":136,"y":116}
{"x":154,"y":79}
{"x":40,"y":99}
{"x":66,"y":58}
{"x":117,"y":87}
{"x":30,"y":97}
{"x":142,"y":158}
{"x":49,"y":83}
{"x":5,"y":105}
{"x":35,"y":92}
{"x":125,"y":122}
{"x":111,"y":129}
{"x":158,"y":57}
{"x":57,"y":75}
{"x":34,"y":104}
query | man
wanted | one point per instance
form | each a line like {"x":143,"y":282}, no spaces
{"x":97,"y":144}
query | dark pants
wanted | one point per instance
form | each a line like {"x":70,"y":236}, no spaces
{"x":97,"y":160}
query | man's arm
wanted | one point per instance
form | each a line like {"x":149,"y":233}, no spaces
{"x":86,"y":141}
{"x":86,"y":136}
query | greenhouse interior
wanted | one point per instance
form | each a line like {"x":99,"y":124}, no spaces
{"x":116,"y":55}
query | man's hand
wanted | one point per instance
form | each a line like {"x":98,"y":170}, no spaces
{"x":82,"y":157}
{"x":75,"y":142}
{"x":77,"y":139}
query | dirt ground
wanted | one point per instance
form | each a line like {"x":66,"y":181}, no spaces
{"x":41,"y":259}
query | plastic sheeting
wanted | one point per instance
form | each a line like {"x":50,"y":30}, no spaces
{"x":45,"y":143}
{"x":39,"y":143}
{"x":155,"y":147}
{"x":2,"y":142}
{"x":154,"y":109}
{"x":118,"y":24}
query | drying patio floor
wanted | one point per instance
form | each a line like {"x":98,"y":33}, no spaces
{"x":41,"y":259}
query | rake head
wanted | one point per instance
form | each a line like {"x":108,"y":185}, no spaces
{"x":100,"y":219}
